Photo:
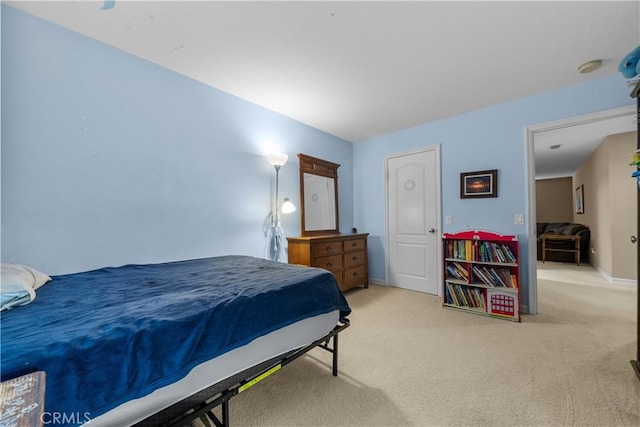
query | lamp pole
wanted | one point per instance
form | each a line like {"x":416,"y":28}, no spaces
{"x":274,"y":244}
{"x":275,"y":208}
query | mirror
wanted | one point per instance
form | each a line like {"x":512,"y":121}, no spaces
{"x":318,"y":196}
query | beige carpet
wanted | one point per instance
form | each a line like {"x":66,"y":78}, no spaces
{"x":406,"y":361}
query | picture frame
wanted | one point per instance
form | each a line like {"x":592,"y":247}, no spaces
{"x":479,"y":184}
{"x":580,"y":199}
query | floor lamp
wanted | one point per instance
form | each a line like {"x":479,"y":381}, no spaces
{"x":275,"y":233}
{"x":630,"y":67}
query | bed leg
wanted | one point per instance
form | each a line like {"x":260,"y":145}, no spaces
{"x":223,"y":421}
{"x":335,"y":355}
{"x":225,"y":413}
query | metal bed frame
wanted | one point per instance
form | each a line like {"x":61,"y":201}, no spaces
{"x":205,"y":401}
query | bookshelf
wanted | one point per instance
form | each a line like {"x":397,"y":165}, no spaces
{"x":482,"y":273}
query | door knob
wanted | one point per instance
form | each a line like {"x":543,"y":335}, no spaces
{"x":634,"y":239}
{"x":432,"y":230}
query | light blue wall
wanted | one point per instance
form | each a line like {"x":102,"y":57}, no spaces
{"x":491,"y":138}
{"x":108,"y":159}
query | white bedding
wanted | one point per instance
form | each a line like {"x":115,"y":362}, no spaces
{"x":18,"y":284}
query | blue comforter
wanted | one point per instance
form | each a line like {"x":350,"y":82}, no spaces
{"x":107,"y":336}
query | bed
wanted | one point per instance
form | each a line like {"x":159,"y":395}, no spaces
{"x":148,"y":343}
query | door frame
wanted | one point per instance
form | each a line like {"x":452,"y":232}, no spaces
{"x":530,"y":133}
{"x":438,"y":232}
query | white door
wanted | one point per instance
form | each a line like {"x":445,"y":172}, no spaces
{"x":413,"y":206}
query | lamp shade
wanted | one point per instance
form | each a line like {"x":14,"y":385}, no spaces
{"x":287,"y":206}
{"x":277,"y":159}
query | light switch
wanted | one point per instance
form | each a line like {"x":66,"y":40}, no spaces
{"x":448,"y":219}
{"x":519,"y":219}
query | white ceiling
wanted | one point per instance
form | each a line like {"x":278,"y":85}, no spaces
{"x":576,"y":142}
{"x":361,"y":69}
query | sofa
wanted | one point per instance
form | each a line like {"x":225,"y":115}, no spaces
{"x":564,"y":228}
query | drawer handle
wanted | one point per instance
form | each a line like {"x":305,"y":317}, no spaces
{"x":329,"y":264}
{"x":355,"y":258}
{"x":355,"y":273}
{"x":354,"y":244}
{"x":327,"y":249}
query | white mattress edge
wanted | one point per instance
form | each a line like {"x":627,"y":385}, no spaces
{"x":291,"y":337}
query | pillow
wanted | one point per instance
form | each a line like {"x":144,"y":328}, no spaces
{"x":540,"y":227}
{"x":573,"y":229}
{"x":555,"y":227}
{"x":18,"y":284}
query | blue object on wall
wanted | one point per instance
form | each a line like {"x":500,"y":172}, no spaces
{"x":108,"y":4}
{"x":630,"y":65}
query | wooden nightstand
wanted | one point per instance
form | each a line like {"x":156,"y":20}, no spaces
{"x":22,"y":400}
{"x":561,"y":237}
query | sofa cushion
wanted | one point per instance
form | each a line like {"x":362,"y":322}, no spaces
{"x":540,"y":227}
{"x":572,"y":229}
{"x":554,"y":227}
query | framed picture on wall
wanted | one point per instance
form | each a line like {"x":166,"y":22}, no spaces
{"x":579,"y":199}
{"x":479,"y":184}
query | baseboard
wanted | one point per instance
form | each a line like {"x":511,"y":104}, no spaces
{"x":616,"y":280}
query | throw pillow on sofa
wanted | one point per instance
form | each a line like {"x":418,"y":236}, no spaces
{"x":572,"y":229}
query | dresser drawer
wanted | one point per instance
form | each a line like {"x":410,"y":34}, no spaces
{"x":355,"y":276}
{"x":332,"y":263}
{"x":326,"y":248}
{"x":352,"y":259}
{"x":345,"y":256}
{"x":354,"y":245}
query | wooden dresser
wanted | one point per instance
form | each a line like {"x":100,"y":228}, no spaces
{"x":345,"y":255}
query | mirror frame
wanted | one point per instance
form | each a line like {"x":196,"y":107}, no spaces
{"x":315,"y":166}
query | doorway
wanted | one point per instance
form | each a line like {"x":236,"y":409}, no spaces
{"x":413,"y":220}
{"x":577,"y":123}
